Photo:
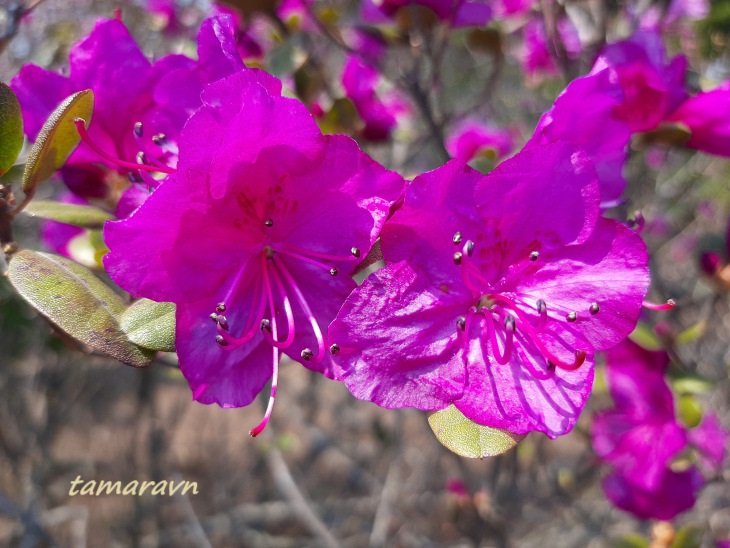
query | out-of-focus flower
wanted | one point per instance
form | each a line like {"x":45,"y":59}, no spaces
{"x":380,"y":115}
{"x":535,"y":56}
{"x":457,"y":13}
{"x":640,"y":436}
{"x":497,"y":291}
{"x":261,"y":225}
{"x":715,"y":262}
{"x":472,"y":138}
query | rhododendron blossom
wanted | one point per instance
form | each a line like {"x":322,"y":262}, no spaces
{"x":254,"y":237}
{"x":640,"y":437}
{"x":472,"y":138}
{"x":140,"y":107}
{"x":496,"y":293}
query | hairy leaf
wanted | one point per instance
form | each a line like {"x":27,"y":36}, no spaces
{"x":150,"y":324}
{"x":11,"y":128}
{"x":71,"y":214}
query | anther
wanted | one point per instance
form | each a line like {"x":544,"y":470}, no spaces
{"x":594,"y":309}
{"x":221,"y":340}
{"x":469,"y":248}
{"x":220,"y":307}
{"x":307,"y":354}
{"x":534,"y":255}
{"x":334,"y":271}
{"x":142,"y":158}
{"x":509,"y":323}
{"x":456,"y":238}
{"x":138,"y":129}
{"x":355,"y":252}
{"x":159,"y":139}
{"x":266,"y":324}
{"x":335,"y":349}
{"x":134,"y":177}
{"x":541,"y":306}
{"x":457,"y":258}
{"x":461,"y":322}
{"x":571,"y":317}
{"x":214,"y":317}
{"x":223,"y":322}
{"x":268,"y":223}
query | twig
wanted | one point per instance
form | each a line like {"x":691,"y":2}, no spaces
{"x":379,"y":532}
{"x":288,"y":487}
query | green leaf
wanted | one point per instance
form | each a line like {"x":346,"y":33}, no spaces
{"x":645,"y":337}
{"x":467,"y":438}
{"x":11,"y":128}
{"x":692,"y":333}
{"x":690,"y":383}
{"x":57,"y":139}
{"x":76,"y":301}
{"x":150,"y":324}
{"x":689,"y":411}
{"x":71,"y":214}
{"x":689,"y":536}
{"x":632,"y":540}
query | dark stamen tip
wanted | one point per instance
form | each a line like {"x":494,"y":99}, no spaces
{"x":550,"y":366}
{"x":535,"y":255}
{"x":214,"y":317}
{"x":334,"y":349}
{"x":268,"y":223}
{"x":571,"y":317}
{"x":541,"y":306}
{"x":134,"y":177}
{"x":223,"y":322}
{"x":457,"y":258}
{"x":266,"y":324}
{"x":141,"y":158}
{"x":461,"y":322}
{"x":355,"y":252}
{"x":594,"y":309}
{"x":334,"y":271}
{"x":509,"y":323}
{"x":221,"y":340}
{"x":456,"y":238}
{"x":138,"y":129}
{"x":159,"y":139}
{"x":469,"y":247}
{"x":307,"y":354}
{"x":220,"y":307}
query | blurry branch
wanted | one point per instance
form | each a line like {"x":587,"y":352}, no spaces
{"x":286,"y":484}
{"x":187,"y":508}
{"x":10,"y":17}
{"x":384,"y":512}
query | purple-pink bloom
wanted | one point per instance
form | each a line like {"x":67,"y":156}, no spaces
{"x":457,"y":13}
{"x":472,"y":138}
{"x":640,"y":437}
{"x":496,"y":293}
{"x":380,"y":115}
{"x":127,"y":89}
{"x":259,"y":229}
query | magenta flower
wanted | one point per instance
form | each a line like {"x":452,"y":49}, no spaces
{"x":496,"y":293}
{"x":457,"y":13}
{"x":472,"y":138}
{"x":535,"y":57}
{"x":128,"y":90}
{"x":261,"y":225}
{"x":380,"y":115}
{"x":640,"y":437}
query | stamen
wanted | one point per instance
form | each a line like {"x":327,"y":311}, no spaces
{"x":268,"y":223}
{"x":281,"y":247}
{"x":271,"y":338}
{"x":214,"y":317}
{"x":542,"y":310}
{"x":461,"y":322}
{"x":669,"y":305}
{"x":253,"y":323}
{"x":469,"y":248}
{"x":223,"y":322}
{"x":221,"y":340}
{"x":307,"y":311}
{"x":220,"y":307}
{"x":458,"y":256}
{"x":355,"y":252}
{"x":571,"y":317}
{"x":334,"y":271}
{"x":335,"y":349}
{"x":638,"y":222}
{"x":306,"y":259}
{"x":535,"y":255}
{"x":502,"y":359}
{"x":270,"y":407}
{"x":142,"y":158}
{"x":594,"y":309}
{"x":307,"y":354}
{"x":160,"y":139}
{"x":456,"y":238}
{"x":526,"y":327}
{"x":138,"y":131}
{"x":134,"y":177}
{"x":81,"y":128}
{"x":266,"y":325}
